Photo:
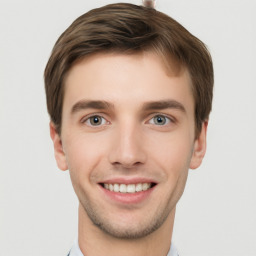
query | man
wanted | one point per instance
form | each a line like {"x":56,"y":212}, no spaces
{"x":129,"y":93}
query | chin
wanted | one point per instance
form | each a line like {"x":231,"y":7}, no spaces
{"x":128,"y":227}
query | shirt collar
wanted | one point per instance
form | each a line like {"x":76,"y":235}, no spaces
{"x":75,"y":250}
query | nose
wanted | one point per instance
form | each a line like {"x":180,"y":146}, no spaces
{"x":127,"y":147}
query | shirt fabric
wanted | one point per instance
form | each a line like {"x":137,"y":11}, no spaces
{"x":75,"y":250}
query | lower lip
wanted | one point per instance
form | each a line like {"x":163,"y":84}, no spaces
{"x":127,"y":198}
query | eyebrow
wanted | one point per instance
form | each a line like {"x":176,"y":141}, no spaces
{"x":163,"y":104}
{"x":147,"y":106}
{"x":95,"y":104}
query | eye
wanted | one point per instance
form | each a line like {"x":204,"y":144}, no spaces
{"x":160,"y":120}
{"x":95,"y":120}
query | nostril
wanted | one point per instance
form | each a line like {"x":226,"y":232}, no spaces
{"x":126,"y":165}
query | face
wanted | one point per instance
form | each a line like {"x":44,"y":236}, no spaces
{"x":128,"y":140}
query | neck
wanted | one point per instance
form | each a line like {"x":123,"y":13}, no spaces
{"x":94,"y":242}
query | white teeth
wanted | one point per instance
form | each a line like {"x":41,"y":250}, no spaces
{"x":122,"y":188}
{"x":130,"y":188}
{"x":116,"y":187}
{"x":138,"y":187}
{"x":145,"y":186}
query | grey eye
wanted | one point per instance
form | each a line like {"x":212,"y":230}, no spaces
{"x":95,"y":121}
{"x":159,"y":120}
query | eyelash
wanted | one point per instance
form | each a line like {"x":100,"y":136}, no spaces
{"x":87,"y":120}
{"x":167,"y":119}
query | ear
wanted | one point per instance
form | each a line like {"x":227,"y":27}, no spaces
{"x":199,"y":148}
{"x":58,"y":149}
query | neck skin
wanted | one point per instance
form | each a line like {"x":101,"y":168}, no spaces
{"x":94,"y":242}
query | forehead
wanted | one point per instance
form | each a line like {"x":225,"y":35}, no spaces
{"x":126,"y":79}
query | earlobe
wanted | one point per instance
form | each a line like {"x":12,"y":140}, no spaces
{"x":199,"y":148}
{"x":58,"y":148}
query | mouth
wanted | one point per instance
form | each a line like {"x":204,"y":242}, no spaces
{"x":127,"y":188}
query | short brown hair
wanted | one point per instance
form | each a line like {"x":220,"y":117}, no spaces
{"x":128,"y":28}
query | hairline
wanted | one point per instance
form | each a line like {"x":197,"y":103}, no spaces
{"x":183,"y":53}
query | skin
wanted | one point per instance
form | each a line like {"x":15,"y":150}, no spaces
{"x":133,"y":139}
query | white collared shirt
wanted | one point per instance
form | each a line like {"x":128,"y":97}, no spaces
{"x":75,"y":250}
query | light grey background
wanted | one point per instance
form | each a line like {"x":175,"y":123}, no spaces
{"x":38,"y":208}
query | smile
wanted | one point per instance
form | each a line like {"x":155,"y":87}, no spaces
{"x":128,"y":188}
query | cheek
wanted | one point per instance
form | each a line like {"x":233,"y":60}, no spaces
{"x":83,"y":153}
{"x":173,"y":158}
{"x":83,"y":157}
{"x":172,"y":153}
